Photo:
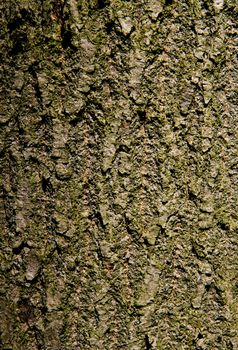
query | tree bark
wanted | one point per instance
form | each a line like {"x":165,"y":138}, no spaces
{"x":119,"y":175}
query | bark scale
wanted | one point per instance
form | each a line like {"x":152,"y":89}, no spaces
{"x":119,"y":175}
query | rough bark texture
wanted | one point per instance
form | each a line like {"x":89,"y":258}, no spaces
{"x":119,"y":175}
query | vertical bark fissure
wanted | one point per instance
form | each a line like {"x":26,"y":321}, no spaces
{"x":118,"y":175}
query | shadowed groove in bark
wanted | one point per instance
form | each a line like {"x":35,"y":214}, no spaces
{"x":118,"y":175}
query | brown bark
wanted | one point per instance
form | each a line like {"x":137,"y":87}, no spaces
{"x":118,"y":175}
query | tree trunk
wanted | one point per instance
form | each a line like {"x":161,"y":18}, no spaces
{"x":119,"y":175}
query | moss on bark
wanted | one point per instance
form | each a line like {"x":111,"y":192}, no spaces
{"x":118,"y":175}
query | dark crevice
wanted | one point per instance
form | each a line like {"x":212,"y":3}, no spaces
{"x":123,"y":148}
{"x":194,"y":251}
{"x":39,"y":338}
{"x":223,"y":226}
{"x":206,"y":6}
{"x":109,"y":27}
{"x":77,"y":119}
{"x":46,"y":185}
{"x":26,"y":310}
{"x":191,"y":196}
{"x":36,"y":85}
{"x":66,"y":34}
{"x":20,"y":128}
{"x":18,"y":250}
{"x":23,"y":17}
{"x":100,"y":219}
{"x":148,"y":345}
{"x":46,"y":120}
{"x":74,"y":122}
{"x":15,"y":23}
{"x":19,"y":41}
{"x":219,"y":339}
{"x":99,"y":252}
{"x":142,"y":115}
{"x":66,"y":38}
{"x":102,"y":4}
{"x":58,"y":249}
